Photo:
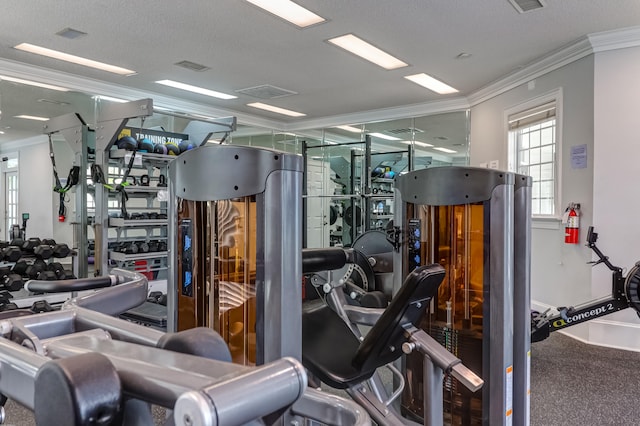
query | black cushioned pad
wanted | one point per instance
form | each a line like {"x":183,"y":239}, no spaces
{"x":328,"y":347}
{"x":199,"y":341}
{"x":80,"y":390}
{"x":332,"y":352}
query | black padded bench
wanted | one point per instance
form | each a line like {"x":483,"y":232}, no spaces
{"x":334,"y":354}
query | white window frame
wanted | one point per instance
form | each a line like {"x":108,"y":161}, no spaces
{"x":553,"y":96}
{"x":4,"y":172}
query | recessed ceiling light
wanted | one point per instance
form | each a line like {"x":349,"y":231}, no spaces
{"x":1,"y":132}
{"x":431,"y":83}
{"x":351,"y":129}
{"x":53,"y":101}
{"x":367,"y":51}
{"x":32,"y":117}
{"x":276,"y":109}
{"x":383,"y":136}
{"x":43,"y":51}
{"x":289,"y":11}
{"x":195,"y":89}
{"x":422,"y":144}
{"x":463,"y":55}
{"x":447,"y":150}
{"x":33,"y":83}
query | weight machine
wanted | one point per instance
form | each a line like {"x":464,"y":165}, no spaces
{"x":80,"y":366}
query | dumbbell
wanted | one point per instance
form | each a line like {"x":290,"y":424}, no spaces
{"x":18,"y":242}
{"x":30,"y":244}
{"x":4,"y":244}
{"x":49,"y":241}
{"x":11,"y":253}
{"x":128,"y":247}
{"x":61,"y":250}
{"x":60,"y":272}
{"x":46,"y":275}
{"x":143,"y":247}
{"x":12,"y":282}
{"x":20,"y":267}
{"x":41,"y":306}
{"x":43,"y":251}
{"x":153,"y":245}
{"x":154,"y":296}
{"x":162,"y":246}
{"x":35,"y":268}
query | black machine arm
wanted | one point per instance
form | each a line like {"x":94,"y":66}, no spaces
{"x":621,"y":298}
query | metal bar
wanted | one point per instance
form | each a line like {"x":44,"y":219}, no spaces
{"x":329,"y":409}
{"x":522,"y":300}
{"x":262,"y":390}
{"x":19,"y":367}
{"x":433,"y":394}
{"x":119,"y":329}
{"x":304,"y":193}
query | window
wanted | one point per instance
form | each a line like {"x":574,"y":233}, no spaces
{"x":10,"y":192}
{"x":533,"y":151}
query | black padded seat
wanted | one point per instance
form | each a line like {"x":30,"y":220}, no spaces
{"x":331,"y":352}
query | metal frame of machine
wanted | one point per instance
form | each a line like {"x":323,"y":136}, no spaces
{"x":496,"y":190}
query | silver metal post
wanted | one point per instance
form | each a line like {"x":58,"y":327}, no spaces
{"x":433,"y":393}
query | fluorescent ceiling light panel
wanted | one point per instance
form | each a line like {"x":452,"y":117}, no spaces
{"x":276,"y":109}
{"x":43,"y":51}
{"x":367,"y":51}
{"x":33,"y":83}
{"x":32,"y":117}
{"x":431,"y":83}
{"x":110,"y":99}
{"x":289,"y":11}
{"x":350,"y":129}
{"x":447,"y":150}
{"x":196,"y":89}
{"x":383,"y":136}
{"x":422,"y":144}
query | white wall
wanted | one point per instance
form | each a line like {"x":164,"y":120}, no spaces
{"x":560,"y":275}
{"x":35,"y":186}
{"x":616,"y":191}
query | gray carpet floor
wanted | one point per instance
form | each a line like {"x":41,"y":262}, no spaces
{"x":572,"y":384}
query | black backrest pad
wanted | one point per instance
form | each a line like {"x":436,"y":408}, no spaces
{"x":383,"y":343}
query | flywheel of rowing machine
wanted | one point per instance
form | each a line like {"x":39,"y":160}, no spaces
{"x":632,"y":287}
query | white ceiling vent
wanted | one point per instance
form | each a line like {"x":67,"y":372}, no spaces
{"x":191,"y":66}
{"x":406,"y":130}
{"x":266,"y":91}
{"x":527,"y":5}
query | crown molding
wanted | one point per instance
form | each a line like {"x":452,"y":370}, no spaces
{"x":19,"y":144}
{"x":585,"y":46}
{"x":384,"y":114}
{"x":96,"y":87}
{"x":613,"y":40}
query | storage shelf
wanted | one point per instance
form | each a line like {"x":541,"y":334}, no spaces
{"x":122,"y":257}
{"x":149,"y":157}
{"x":119,"y":222}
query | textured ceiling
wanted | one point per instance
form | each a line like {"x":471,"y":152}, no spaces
{"x":244,"y":46}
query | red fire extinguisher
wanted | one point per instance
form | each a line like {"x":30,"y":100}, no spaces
{"x":572,"y":226}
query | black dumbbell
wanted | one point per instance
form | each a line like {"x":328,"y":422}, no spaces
{"x":49,"y":241}
{"x":41,"y":306}
{"x":18,"y":242}
{"x":61,"y":250}
{"x":143,"y":247}
{"x":61,"y":273}
{"x":11,"y":253}
{"x":162,"y":246}
{"x":43,"y":251}
{"x":163,"y":300}
{"x":153,"y":245}
{"x":128,"y":247}
{"x":154,"y":296}
{"x":20,"y":267}
{"x":31,"y":244}
{"x":66,"y":274}
{"x":46,"y":276}
{"x":35,"y":268}
{"x":4,"y":244}
{"x":12,"y":282}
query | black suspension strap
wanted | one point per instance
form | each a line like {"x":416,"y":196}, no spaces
{"x":72,"y":179}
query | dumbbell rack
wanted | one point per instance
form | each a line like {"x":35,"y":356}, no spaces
{"x":127,"y":230}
